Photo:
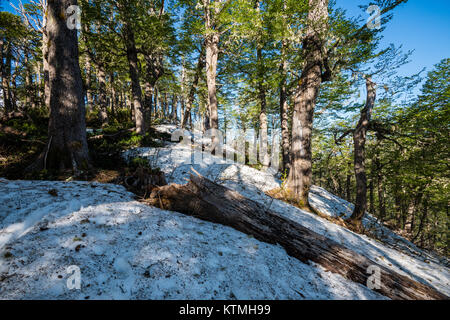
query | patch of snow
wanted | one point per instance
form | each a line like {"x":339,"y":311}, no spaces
{"x":394,"y":252}
{"x":128,"y":250}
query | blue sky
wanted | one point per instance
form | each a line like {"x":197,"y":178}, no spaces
{"x":420,"y":25}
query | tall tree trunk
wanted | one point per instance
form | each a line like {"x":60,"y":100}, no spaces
{"x":284,"y":114}
{"x":67,"y":146}
{"x":28,"y":81}
{"x":284,"y":106}
{"x":422,"y":219}
{"x":102,"y":96}
{"x":380,"y":191}
{"x":13,"y":90}
{"x":148,"y":102}
{"x":299,"y":180}
{"x":113,"y":102}
{"x":45,"y":56}
{"x":6,"y":75}
{"x":371,"y":197}
{"x":89,"y":97}
{"x":164,"y":109}
{"x":155,"y":102}
{"x":174,"y":109}
{"x":212,"y":55}
{"x":263,"y":139}
{"x":359,"y":141}
{"x":192,"y":91}
{"x":134,"y":75}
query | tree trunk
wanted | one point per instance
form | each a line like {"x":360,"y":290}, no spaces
{"x":165,"y":105}
{"x":212,"y":53}
{"x":380,"y":191}
{"x":371,"y":197}
{"x":148,"y":102}
{"x":134,"y":75}
{"x":192,"y":91}
{"x":67,"y":147}
{"x":422,"y":220}
{"x":29,"y":92}
{"x":89,"y":97}
{"x":6,"y":76}
{"x":175,"y":109}
{"x":212,"y":39}
{"x":359,"y":141}
{"x":113,"y":101}
{"x":299,"y":180}
{"x":102,"y":97}
{"x":263,"y":139}
{"x":284,"y":116}
{"x":209,"y":201}
{"x":45,"y":56}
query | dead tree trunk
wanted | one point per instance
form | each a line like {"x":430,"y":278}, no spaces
{"x":191,"y":96}
{"x":359,"y":141}
{"x":209,"y":201}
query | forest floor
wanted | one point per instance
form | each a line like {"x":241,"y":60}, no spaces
{"x":128,"y":250}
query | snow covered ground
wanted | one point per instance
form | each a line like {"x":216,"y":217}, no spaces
{"x":128,"y":250}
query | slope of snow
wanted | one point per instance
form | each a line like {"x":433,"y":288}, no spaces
{"x":127,"y":250}
{"x":394,"y":252}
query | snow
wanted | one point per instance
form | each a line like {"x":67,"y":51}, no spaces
{"x":128,"y":250}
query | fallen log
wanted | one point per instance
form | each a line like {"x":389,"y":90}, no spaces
{"x":209,"y":201}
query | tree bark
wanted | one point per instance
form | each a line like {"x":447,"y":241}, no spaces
{"x":67,"y":147}
{"x":102,"y":96}
{"x":263,"y":138}
{"x":193,"y":90}
{"x":284,"y":115}
{"x":89,"y":97}
{"x":135,"y":82}
{"x":209,"y":201}
{"x":299,"y":180}
{"x":114,"y":100}
{"x":359,"y":142}
{"x":45,"y":55}
{"x":6,"y":54}
{"x":174,"y":116}
{"x":212,"y":54}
